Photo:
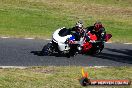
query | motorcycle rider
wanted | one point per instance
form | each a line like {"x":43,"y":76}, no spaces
{"x":78,"y":30}
{"x":98,"y":30}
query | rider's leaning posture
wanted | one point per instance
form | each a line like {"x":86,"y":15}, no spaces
{"x":98,"y":30}
{"x":78,"y":31}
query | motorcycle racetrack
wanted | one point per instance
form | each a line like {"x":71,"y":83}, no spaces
{"x":25,"y":52}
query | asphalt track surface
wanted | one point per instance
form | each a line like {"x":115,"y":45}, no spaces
{"x":17,"y":52}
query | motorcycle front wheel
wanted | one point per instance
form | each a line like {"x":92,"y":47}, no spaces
{"x":47,"y":49}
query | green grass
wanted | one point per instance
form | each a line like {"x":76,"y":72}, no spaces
{"x":59,"y":77}
{"x":40,"y":18}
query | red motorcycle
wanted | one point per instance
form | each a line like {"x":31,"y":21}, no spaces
{"x":94,"y":46}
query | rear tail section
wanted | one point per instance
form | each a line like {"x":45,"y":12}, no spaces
{"x":108,"y":36}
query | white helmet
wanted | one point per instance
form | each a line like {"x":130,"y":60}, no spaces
{"x":79,"y":24}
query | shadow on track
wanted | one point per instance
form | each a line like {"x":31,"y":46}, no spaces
{"x":124,"y":56}
{"x":39,"y":53}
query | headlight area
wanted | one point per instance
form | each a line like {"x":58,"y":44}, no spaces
{"x":67,"y":41}
{"x":54,"y":40}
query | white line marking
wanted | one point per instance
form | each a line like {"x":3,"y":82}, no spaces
{"x":99,"y":66}
{"x":28,"y":38}
{"x":24,"y":67}
{"x":127,"y":43}
{"x":20,"y":67}
{"x":5,"y":37}
{"x":48,"y":39}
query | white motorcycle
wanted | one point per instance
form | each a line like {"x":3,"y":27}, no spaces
{"x":60,"y":43}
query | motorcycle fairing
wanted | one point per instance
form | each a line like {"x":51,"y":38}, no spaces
{"x":61,"y":40}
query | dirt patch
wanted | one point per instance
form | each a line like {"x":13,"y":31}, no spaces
{"x":85,"y":8}
{"x":102,"y":9}
{"x":46,"y":71}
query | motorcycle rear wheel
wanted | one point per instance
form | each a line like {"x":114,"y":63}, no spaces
{"x":96,"y":51}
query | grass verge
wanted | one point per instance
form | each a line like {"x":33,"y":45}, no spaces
{"x":59,"y":77}
{"x":39,"y":18}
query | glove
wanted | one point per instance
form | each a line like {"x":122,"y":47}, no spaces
{"x":87,"y":38}
{"x":71,"y":42}
{"x":92,"y":41}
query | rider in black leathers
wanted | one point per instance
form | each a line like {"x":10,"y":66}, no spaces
{"x":78,"y":31}
{"x":98,"y":30}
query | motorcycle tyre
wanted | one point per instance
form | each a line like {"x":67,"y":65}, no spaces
{"x":47,"y":49}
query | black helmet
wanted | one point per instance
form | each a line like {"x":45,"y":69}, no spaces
{"x":98,"y":25}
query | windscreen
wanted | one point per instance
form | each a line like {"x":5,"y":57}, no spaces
{"x":64,"y":32}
